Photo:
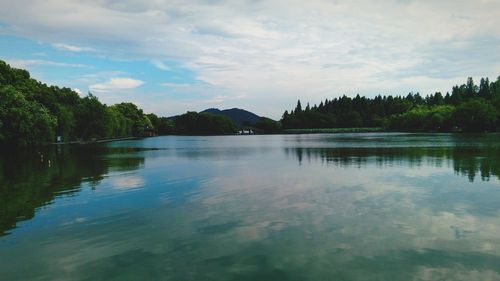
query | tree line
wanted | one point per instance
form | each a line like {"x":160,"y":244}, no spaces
{"x":32,"y":113}
{"x":469,"y":108}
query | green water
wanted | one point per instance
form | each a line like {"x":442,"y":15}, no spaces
{"x":369,"y":206}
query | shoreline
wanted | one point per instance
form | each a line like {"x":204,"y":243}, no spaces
{"x":283,"y":132}
{"x":93,"y":141}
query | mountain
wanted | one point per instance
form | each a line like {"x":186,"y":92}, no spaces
{"x":240,"y":116}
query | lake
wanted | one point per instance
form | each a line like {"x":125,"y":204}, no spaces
{"x":368,"y":206}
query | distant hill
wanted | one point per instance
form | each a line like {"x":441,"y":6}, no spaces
{"x":240,"y":116}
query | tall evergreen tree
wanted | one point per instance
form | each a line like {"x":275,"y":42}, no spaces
{"x":298,"y":108}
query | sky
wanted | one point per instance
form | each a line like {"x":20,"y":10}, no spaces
{"x":173,"y":56}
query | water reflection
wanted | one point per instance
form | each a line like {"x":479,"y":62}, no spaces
{"x":30,"y":179}
{"x":466,"y":161}
{"x":322,"y":207}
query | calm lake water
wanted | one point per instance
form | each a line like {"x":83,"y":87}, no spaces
{"x":283,"y":207}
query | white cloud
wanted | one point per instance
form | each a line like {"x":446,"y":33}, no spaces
{"x":94,"y":78}
{"x":78,"y":91}
{"x":28,"y":63}
{"x":277,"y":51}
{"x":116,"y":84}
{"x":222,"y":98}
{"x":176,"y":85}
{"x":71,"y":48}
{"x":161,"y":65}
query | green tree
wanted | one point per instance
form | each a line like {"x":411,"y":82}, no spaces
{"x":23,"y":122}
{"x":298,"y":108}
{"x":476,"y":115}
{"x":91,"y":118}
{"x":266,"y":125}
{"x":138,"y":121}
{"x":192,"y":123}
{"x":162,"y":125}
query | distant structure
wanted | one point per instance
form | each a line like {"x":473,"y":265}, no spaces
{"x":246,"y":132}
{"x":149,"y":132}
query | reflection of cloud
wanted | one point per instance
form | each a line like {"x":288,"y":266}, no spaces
{"x":124,"y":182}
{"x":390,"y":203}
{"x":76,"y":220}
{"x":441,"y":273}
{"x":258,"y":210}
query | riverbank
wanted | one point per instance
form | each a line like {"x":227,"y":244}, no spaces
{"x":94,"y":141}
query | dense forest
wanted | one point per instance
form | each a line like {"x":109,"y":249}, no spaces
{"x":469,"y":108}
{"x":33,"y":113}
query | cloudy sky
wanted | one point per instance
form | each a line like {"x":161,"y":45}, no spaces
{"x":170,"y":56}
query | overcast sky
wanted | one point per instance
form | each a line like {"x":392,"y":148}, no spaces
{"x":171,"y":56}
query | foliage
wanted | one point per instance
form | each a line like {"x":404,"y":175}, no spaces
{"x":136,"y":118}
{"x":163,"y":125}
{"x":28,"y":182}
{"x":423,"y":118}
{"x":192,"y":123}
{"x":21,"y":121}
{"x":476,"y":115}
{"x":34,"y":113}
{"x":90,"y":118}
{"x":468,"y":108}
{"x":240,"y":117}
{"x":266,"y":125}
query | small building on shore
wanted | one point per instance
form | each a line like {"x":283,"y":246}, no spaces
{"x":246,"y":132}
{"x":149,"y":132}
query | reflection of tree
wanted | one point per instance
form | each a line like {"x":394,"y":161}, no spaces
{"x":465,"y":161}
{"x":486,"y":162}
{"x":28,"y":181}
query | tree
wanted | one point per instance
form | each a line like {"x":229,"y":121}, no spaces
{"x":476,"y":115}
{"x":471,"y":89}
{"x":266,"y":125}
{"x":22,"y":122}
{"x":192,"y":123}
{"x":285,"y":114}
{"x":162,"y":125}
{"x":411,"y":112}
{"x":117,"y":124}
{"x":91,"y":118}
{"x":138,"y":121}
{"x":484,"y":88}
{"x":298,"y":108}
